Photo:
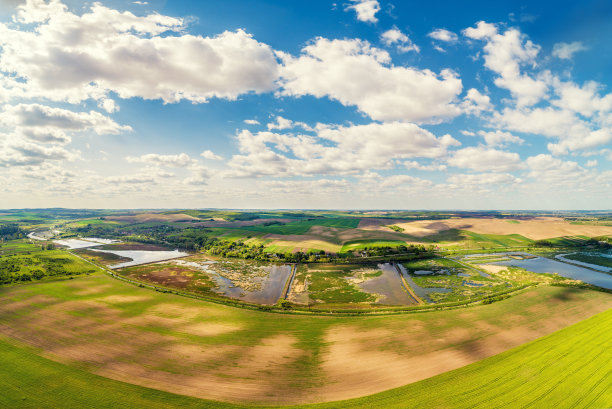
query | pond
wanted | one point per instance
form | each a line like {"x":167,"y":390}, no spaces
{"x":582,"y":263}
{"x":141,"y":256}
{"x":544,"y":265}
{"x":73,"y":244}
{"x":250,"y":282}
{"x":421,"y":292}
{"x":389,"y":285}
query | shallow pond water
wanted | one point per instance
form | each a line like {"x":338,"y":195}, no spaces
{"x":582,"y":263}
{"x":421,"y":292}
{"x":77,"y":243}
{"x":142,"y":256}
{"x":545,"y":265}
{"x":389,"y":285}
{"x":264,"y":287}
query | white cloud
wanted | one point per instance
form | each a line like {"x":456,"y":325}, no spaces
{"x":442,"y":34}
{"x":432,"y":167}
{"x":306,"y":187}
{"x":199,"y":175}
{"x":488,"y":179}
{"x":550,"y":171}
{"x":180,"y":160}
{"x":566,"y":51}
{"x":572,"y":133}
{"x":474,"y":102}
{"x":108,"y":105}
{"x":15,"y":151}
{"x":284,"y":123}
{"x":481,"y":31}
{"x":335,"y":150}
{"x":467,"y":133}
{"x":251,"y":122}
{"x":208,"y":154}
{"x":504,"y":54}
{"x":73,"y":58}
{"x":36,"y":116}
{"x":395,"y":36}
{"x":126,"y":179}
{"x":354,"y":73}
{"x":500,"y":138}
{"x":584,"y":100}
{"x":484,"y":159}
{"x":396,"y":181}
{"x":366,"y":10}
{"x":591,"y":163}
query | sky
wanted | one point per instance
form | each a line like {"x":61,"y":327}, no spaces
{"x":361,"y":104}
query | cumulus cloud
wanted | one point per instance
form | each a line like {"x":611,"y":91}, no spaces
{"x":37,"y":116}
{"x":584,"y":100}
{"x":199,"y":175}
{"x":500,"y":138}
{"x":442,"y":34}
{"x":335,"y":149}
{"x":208,"y":154}
{"x":485,"y":159}
{"x":354,"y":73}
{"x":432,"y":167}
{"x":504,"y":54}
{"x":305,"y":187}
{"x":251,"y":122}
{"x":180,"y":160}
{"x":366,"y":10}
{"x":76,"y":57}
{"x":127,"y":179}
{"x":474,"y":102}
{"x":403,"y":42}
{"x":16,"y":151}
{"x":550,"y":171}
{"x":487,"y":179}
{"x":281,"y":123}
{"x":566,"y":51}
{"x":571,"y":132}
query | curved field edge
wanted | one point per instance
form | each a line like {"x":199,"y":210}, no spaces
{"x":569,"y":368}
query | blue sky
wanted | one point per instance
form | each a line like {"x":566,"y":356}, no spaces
{"x":306,"y":104}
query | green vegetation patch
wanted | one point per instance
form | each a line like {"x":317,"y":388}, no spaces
{"x":38,"y":264}
{"x":302,"y":227}
{"x":591,"y":258}
{"x":460,"y":282}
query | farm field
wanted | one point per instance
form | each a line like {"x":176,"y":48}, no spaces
{"x":110,"y":328}
{"x":517,"y":378}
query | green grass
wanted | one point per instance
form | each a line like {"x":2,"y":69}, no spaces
{"x":567,"y":369}
{"x":302,"y":227}
{"x":23,"y":263}
{"x":363,"y":243}
{"x":328,"y":284}
{"x":462,"y":288}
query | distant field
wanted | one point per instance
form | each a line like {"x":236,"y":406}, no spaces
{"x":302,"y":227}
{"x":103,"y":326}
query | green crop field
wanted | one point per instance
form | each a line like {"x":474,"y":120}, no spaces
{"x":567,"y":369}
{"x":353,"y":245}
{"x":302,"y":227}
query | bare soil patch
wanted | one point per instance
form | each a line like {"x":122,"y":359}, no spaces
{"x":152,"y":217}
{"x":536,"y":228}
